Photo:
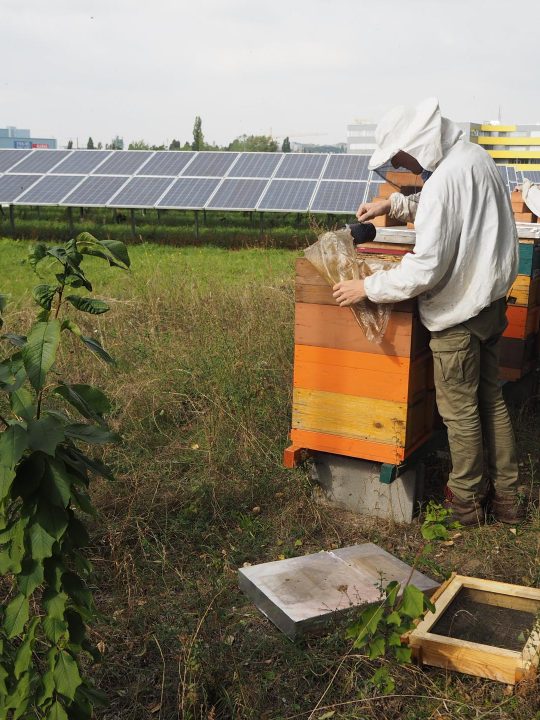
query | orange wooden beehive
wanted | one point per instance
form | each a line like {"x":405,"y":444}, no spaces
{"x":351,"y":396}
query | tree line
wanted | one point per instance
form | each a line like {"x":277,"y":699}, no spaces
{"x":249,"y":143}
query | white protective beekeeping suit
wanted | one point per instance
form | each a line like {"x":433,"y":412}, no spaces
{"x":466,"y":252}
{"x":531,"y":196}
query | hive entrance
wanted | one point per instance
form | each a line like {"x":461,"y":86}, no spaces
{"x":489,"y":618}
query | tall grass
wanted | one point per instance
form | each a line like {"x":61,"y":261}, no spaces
{"x":204,"y":339}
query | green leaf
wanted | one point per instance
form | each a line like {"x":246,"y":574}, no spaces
{"x":44,"y":295}
{"x":91,"y":434}
{"x":40,"y":541}
{"x":57,"y":483}
{"x":31,"y":576}
{"x":77,"y":590}
{"x":22,"y":404}
{"x":13,"y":443}
{"x":96,"y":348}
{"x":36,"y":254}
{"x":72,"y":327}
{"x":383,"y":681}
{"x":46,"y":434}
{"x":23,"y":659}
{"x":78,"y":533}
{"x":366,"y":625}
{"x":39,"y":353}
{"x":16,"y":616}
{"x":391,"y":591}
{"x":112,"y":250}
{"x":88,"y":304}
{"x":394,"y":639}
{"x":17,"y":340}
{"x":52,"y":519}
{"x":66,"y":675}
{"x":81,"y":463}
{"x":91,"y":402}
{"x":77,"y":628}
{"x":434,"y":531}
{"x":403,"y":654}
{"x":377,"y":647}
{"x":412,"y":602}
{"x":84,"y":502}
{"x":57,"y":712}
{"x":28,"y":475}
{"x":393,"y":619}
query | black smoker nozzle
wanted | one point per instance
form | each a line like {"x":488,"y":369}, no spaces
{"x":363,"y":232}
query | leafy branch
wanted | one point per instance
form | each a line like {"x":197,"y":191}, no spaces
{"x":44,"y":491}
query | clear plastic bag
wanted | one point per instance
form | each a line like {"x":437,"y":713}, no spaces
{"x":335,"y":258}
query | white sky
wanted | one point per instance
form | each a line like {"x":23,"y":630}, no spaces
{"x":304,"y":68}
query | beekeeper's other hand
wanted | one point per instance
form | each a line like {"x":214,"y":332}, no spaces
{"x":368,"y":211}
{"x":348,"y":292}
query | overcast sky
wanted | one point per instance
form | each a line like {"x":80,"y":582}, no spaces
{"x":305,"y":68}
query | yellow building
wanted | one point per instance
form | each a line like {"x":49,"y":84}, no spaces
{"x":514,"y":145}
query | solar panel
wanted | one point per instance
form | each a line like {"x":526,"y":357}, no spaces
{"x":95,"y":191}
{"x":347,"y":167}
{"x":304,"y":166}
{"x":167,"y":162}
{"x":237,"y":195}
{"x":288,"y":195}
{"x":123,"y":162}
{"x":41,"y":161}
{"x":255,"y":165}
{"x":532,"y":175}
{"x":8,"y":158}
{"x":11,"y":186}
{"x":81,"y":162}
{"x":188,"y":193}
{"x":49,"y":190}
{"x":211,"y":164}
{"x":339,"y":197}
{"x":141,"y":192}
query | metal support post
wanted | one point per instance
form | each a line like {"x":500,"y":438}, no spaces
{"x":70,"y":220}
{"x":197,"y":224}
{"x":133,"y":226}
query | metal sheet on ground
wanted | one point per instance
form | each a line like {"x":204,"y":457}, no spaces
{"x":306,"y":594}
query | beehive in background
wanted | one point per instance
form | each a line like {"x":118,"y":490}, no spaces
{"x":519,"y":353}
{"x":404,"y":182}
{"x":351,"y":396}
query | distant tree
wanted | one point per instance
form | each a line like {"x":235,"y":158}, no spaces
{"x":90,"y":144}
{"x":158,"y":147}
{"x":175,"y":145}
{"x":254,"y":143}
{"x":100,"y":145}
{"x":198,"y":137}
{"x":70,"y":145}
{"x":186,"y":146}
{"x":286,"y":145}
{"x":138,"y":145}
{"x":117,"y":143}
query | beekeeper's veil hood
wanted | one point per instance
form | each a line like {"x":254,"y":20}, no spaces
{"x":420,"y":131}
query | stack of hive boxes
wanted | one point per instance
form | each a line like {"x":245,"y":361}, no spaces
{"x":351,"y":396}
{"x":403,"y":182}
{"x":520,"y":349}
{"x":522,"y":213}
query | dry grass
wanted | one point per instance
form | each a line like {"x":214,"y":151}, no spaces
{"x":202,"y":399}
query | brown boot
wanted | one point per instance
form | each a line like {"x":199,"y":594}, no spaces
{"x":469,"y":514}
{"x":508,"y":507}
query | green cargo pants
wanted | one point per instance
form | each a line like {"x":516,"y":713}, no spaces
{"x":469,"y":398}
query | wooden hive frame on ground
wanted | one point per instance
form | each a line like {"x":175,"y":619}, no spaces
{"x":351,"y":396}
{"x":475,"y":658}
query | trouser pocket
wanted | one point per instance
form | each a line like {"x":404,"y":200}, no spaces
{"x":450,"y":353}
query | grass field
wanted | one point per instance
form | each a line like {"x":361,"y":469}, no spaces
{"x":203,"y":338}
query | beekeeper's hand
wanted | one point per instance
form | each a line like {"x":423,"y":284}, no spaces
{"x":348,"y":292}
{"x":368,"y":211}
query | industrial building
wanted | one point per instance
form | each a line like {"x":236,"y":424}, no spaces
{"x":17,"y":138}
{"x":515,"y":145}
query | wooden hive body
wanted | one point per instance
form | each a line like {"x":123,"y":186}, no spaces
{"x":519,"y":344}
{"x":355,"y":397}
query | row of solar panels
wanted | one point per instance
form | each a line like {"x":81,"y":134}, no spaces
{"x":280,"y":182}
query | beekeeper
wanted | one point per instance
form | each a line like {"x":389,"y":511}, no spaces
{"x":464,"y":263}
